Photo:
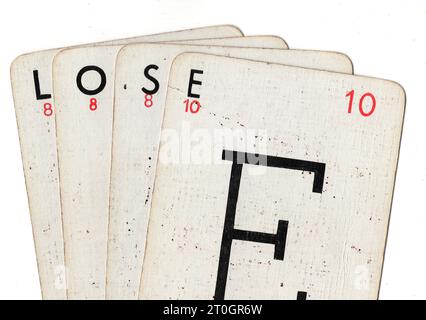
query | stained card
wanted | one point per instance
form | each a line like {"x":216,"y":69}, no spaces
{"x":83,"y":93}
{"x":141,"y":76}
{"x":32,"y":90}
{"x":273,"y":182}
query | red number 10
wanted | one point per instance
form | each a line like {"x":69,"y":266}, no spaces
{"x":192,"y":106}
{"x":362,"y":111}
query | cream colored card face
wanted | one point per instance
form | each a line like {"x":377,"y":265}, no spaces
{"x":83,"y":93}
{"x":141,"y":76}
{"x":247,"y":41}
{"x":31,"y":76}
{"x":273,"y":182}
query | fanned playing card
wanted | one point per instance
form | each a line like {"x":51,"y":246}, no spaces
{"x":83,"y":94}
{"x":141,"y":76}
{"x":31,"y":76}
{"x":273,"y":182}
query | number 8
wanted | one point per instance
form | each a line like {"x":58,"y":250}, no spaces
{"x":47,"y":109}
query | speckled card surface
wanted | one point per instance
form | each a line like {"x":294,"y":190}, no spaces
{"x":273,"y":182}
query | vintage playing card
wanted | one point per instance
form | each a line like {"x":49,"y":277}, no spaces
{"x":83,"y":93}
{"x":273,"y":182}
{"x":141,"y":76}
{"x":32,"y":90}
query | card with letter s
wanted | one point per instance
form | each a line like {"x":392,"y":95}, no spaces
{"x":272,"y":182}
{"x":83,"y":81}
{"x":142,"y":72}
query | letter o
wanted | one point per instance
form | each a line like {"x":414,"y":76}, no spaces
{"x":101,"y":85}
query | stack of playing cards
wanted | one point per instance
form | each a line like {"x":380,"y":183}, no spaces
{"x":204,"y":164}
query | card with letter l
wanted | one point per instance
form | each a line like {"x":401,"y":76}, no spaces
{"x":31,"y":76}
{"x":273,"y":182}
{"x":141,"y":81}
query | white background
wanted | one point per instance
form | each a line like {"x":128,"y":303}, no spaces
{"x":385,"y":39}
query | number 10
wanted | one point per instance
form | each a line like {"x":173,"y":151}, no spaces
{"x":364,"y":113}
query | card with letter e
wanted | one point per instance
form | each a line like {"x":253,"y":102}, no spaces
{"x":141,"y":75}
{"x":273,"y":182}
